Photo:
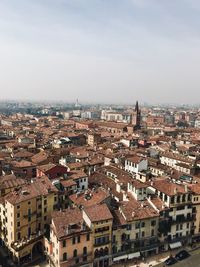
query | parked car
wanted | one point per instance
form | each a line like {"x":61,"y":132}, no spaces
{"x":181,"y":255}
{"x":170,"y":261}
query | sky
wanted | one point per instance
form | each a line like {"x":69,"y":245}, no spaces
{"x":111,"y":51}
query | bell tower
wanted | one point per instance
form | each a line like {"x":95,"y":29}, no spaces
{"x":136,"y":116}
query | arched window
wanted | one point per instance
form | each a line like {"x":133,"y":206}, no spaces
{"x":64,"y":256}
{"x":75,"y":253}
{"x":105,"y":251}
{"x":101,"y":252}
{"x":85,"y":250}
{"x":96,"y":253}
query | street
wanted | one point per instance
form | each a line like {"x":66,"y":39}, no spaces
{"x":158,"y":260}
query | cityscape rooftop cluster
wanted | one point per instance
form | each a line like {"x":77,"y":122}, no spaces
{"x":93,"y":186}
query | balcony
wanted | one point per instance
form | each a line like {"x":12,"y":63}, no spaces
{"x":183,"y":219}
{"x":146,"y":247}
{"x":102,"y":230}
{"x":102,"y":243}
{"x":20,"y":244}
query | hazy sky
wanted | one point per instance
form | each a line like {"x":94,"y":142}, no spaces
{"x":100,"y":50}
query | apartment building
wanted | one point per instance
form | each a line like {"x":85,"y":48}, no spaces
{"x":136,"y":164}
{"x":99,"y":219}
{"x":93,"y":139}
{"x":172,"y":160}
{"x":25,"y":217}
{"x":70,"y":240}
{"x":195,"y":189}
{"x":176,"y":222}
{"x":135,"y":230}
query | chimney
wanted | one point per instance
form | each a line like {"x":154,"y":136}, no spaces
{"x":175,"y":190}
{"x":67,"y":231}
{"x":186,"y":188}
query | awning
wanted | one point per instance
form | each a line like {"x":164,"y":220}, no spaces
{"x":123,"y":257}
{"x":134,"y":255}
{"x":175,"y":245}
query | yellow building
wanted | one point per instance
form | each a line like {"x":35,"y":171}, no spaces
{"x":99,"y":219}
{"x":25,"y":217}
{"x":70,"y":240}
{"x":196,"y":212}
{"x":135,"y":230}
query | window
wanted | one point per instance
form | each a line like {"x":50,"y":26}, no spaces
{"x":143,"y":233}
{"x":45,"y":202}
{"x":128,"y":227}
{"x":84,"y":250}
{"x":75,"y":253}
{"x":29,"y":203}
{"x":18,"y":207}
{"x":88,"y":237}
{"x":153,"y":223}
{"x":18,"y":215}
{"x":18,"y":224}
{"x":64,"y":243}
{"x":73,"y":240}
{"x":45,"y":209}
{"x":152,"y":232}
{"x":143,"y":224}
{"x":79,"y":239}
{"x":64,"y":256}
{"x":137,"y":225}
{"x":18,"y":236}
{"x":29,"y":231}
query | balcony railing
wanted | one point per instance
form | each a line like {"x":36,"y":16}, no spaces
{"x":20,"y":244}
{"x":183,"y":219}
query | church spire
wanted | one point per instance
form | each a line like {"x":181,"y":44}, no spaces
{"x":137,"y":107}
